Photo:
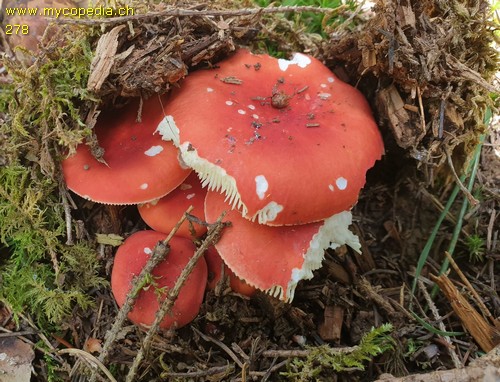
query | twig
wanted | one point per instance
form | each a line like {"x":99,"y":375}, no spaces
{"x":304,"y":353}
{"x":227,"y":369}
{"x":16,"y":334}
{"x":222,"y":345}
{"x":438,"y":318}
{"x":67,"y":215}
{"x":421,"y":109}
{"x":213,"y":234}
{"x":175,"y":12}
{"x":472,"y":200}
{"x":90,"y":358}
{"x":159,"y":253}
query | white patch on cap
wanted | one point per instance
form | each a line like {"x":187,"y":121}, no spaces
{"x":229,"y":103}
{"x":269,"y":212}
{"x":251,"y":107}
{"x":341,"y":183}
{"x":190,"y":196}
{"x":323,"y":85}
{"x":330,"y":186}
{"x":148,"y":251}
{"x":241,"y":111}
{"x":255,"y":116}
{"x":307,"y":97}
{"x":324,"y":96}
{"x":330,"y":79}
{"x":261,"y":186}
{"x":168,"y":130}
{"x":144,"y":186}
{"x":210,"y":90}
{"x":299,"y":59}
{"x":153,"y":151}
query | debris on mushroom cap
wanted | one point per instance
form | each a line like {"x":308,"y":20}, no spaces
{"x":275,"y":259}
{"x":288,"y":143}
{"x":133,"y":255}
{"x":137,"y":165}
{"x":216,"y":269}
{"x":162,"y":215}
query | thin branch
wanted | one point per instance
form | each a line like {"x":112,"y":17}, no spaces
{"x":174,"y":12}
{"x":213,"y":235}
{"x":216,"y":370}
{"x":222,"y":345}
{"x":472,"y":200}
{"x":454,"y":357}
{"x":160,"y":251}
{"x":304,"y":353}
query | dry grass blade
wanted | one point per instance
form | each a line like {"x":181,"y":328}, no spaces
{"x":90,"y":358}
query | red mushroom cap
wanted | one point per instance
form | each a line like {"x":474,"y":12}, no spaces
{"x":216,"y":267}
{"x":275,"y":259}
{"x":133,"y":255}
{"x":138,"y":165}
{"x":286,"y":140}
{"x":162,"y":215}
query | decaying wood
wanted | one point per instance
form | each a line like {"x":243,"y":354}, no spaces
{"x":401,"y":121}
{"x":484,"y":334}
{"x":419,"y":53}
{"x":484,"y":369}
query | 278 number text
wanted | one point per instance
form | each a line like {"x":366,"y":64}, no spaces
{"x":17,"y":29}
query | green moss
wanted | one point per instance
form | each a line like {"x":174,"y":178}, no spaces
{"x":323,"y":358}
{"x":41,"y":274}
{"x":42,"y":112}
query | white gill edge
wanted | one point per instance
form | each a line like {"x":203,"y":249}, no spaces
{"x":332,"y":234}
{"x":214,"y":177}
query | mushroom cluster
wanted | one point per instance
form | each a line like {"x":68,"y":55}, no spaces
{"x":283,"y":146}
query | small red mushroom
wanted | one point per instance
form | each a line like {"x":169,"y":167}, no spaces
{"x":216,"y":268}
{"x":133,"y":255}
{"x":137,"y":166}
{"x":163,"y":214}
{"x":286,"y":140}
{"x":275,"y":259}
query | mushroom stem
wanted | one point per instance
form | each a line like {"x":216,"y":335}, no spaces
{"x":214,"y":233}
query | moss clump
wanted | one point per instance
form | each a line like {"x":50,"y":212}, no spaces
{"x":323,"y":358}
{"x":42,"y":113}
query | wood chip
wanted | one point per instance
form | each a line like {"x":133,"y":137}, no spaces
{"x":484,"y":334}
{"x":104,"y":58}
